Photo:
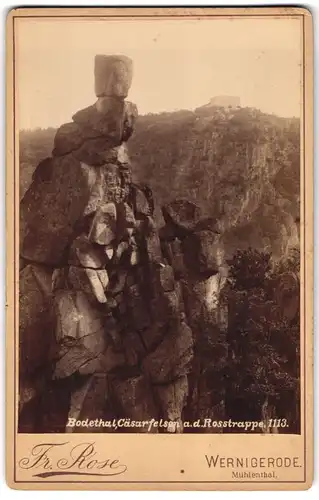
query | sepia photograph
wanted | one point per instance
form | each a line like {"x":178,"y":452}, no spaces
{"x":159,"y":243}
{"x":159,"y":218}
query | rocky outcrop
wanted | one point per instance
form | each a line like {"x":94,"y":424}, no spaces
{"x":102,"y":310}
{"x":120,"y":318}
{"x":191,"y":245}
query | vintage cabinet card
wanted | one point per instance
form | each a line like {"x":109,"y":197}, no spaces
{"x":159,"y":248}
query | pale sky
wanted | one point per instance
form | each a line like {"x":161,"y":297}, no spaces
{"x":178,"y":64}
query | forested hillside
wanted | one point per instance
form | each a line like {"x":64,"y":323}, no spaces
{"x":240,"y":165}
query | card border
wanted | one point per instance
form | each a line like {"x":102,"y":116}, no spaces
{"x":306,"y":209}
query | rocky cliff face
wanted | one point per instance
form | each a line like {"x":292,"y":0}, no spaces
{"x":108,"y":304}
{"x":239,"y":165}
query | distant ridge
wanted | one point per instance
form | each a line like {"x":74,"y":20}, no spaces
{"x":224,"y":101}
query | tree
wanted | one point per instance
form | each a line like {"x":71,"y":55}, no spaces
{"x":263,"y":345}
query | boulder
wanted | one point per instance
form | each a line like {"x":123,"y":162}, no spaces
{"x":182,"y":215}
{"x":67,"y":138}
{"x":171,"y":359}
{"x":50,"y":210}
{"x":84,"y":253}
{"x":202,"y":253}
{"x":112,"y":75}
{"x":96,"y":151}
{"x":103,"y":228}
{"x":90,"y":281}
{"x":105,"y":118}
{"x":76,"y":318}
